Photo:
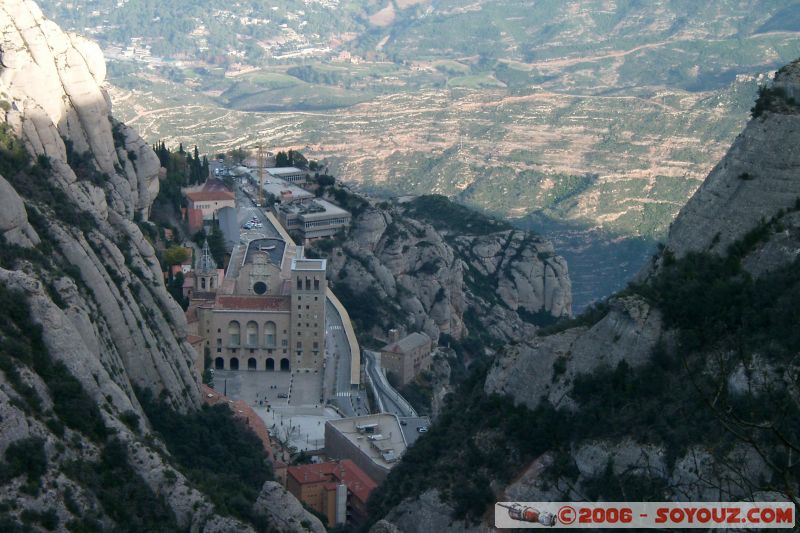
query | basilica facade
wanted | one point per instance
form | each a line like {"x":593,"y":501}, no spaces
{"x":267,"y":314}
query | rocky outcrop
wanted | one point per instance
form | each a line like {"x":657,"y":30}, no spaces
{"x":754,"y":181}
{"x":284,"y":511}
{"x":543,"y":368}
{"x":715,"y":392}
{"x":14,"y":225}
{"x":751,"y":199}
{"x":53,"y":84}
{"x":432,"y":279}
{"x":423,"y":514}
{"x":73,"y":207}
{"x":530,"y":277}
{"x":59,"y":109}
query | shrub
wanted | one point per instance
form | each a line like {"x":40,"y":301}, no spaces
{"x":124,"y":495}
{"x":25,"y":457}
{"x":216,"y":451}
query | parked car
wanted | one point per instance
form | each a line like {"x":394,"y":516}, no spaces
{"x":422,"y":429}
{"x":283,"y":395}
{"x":247,"y":226}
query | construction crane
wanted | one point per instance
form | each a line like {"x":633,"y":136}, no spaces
{"x":260,"y":176}
{"x":529,"y":514}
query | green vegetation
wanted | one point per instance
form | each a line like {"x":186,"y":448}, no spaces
{"x":217,"y":452}
{"x":475,"y":439}
{"x":25,"y":457}
{"x":124,"y":495}
{"x":183,"y":170}
{"x":365,"y":312}
{"x":588,"y":318}
{"x":775,"y":100}
{"x":419,"y":392}
{"x":681,"y":398}
{"x":450,"y":217}
{"x":23,"y":345}
{"x":175,"y":255}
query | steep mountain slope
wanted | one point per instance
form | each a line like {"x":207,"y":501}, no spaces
{"x":439,"y":267}
{"x":682,"y":387}
{"x":87,"y":330}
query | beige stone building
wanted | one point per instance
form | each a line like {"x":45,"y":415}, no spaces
{"x":209,"y":197}
{"x":406,"y":357}
{"x":267,"y":314}
{"x":373,"y":442}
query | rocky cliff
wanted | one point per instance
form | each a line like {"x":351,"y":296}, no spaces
{"x":742,"y":222}
{"x":756,"y":178}
{"x":681,"y":387}
{"x":433,"y":272}
{"x":87,"y":319}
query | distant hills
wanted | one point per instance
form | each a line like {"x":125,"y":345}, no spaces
{"x":593,"y":120}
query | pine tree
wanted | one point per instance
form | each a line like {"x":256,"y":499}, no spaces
{"x":204,"y":170}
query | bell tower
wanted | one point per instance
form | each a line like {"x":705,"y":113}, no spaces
{"x":206,"y":275}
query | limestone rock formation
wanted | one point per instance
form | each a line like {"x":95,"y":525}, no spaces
{"x":544,"y":367}
{"x":58,"y":107}
{"x":434,"y":279}
{"x":13,"y":219}
{"x":75,"y":195}
{"x":736,"y":381}
{"x":423,"y":514}
{"x":756,"y":178}
{"x":285,"y":512}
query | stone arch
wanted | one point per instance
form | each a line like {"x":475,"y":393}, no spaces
{"x":270,"y":364}
{"x":234,"y":363}
{"x":285,"y":365}
{"x":219,"y":363}
{"x":251,"y":363}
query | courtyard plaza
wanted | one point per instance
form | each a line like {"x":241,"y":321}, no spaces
{"x":288,"y":402}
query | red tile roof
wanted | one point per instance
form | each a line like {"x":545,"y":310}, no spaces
{"x":344,"y":471}
{"x":214,"y":184}
{"x":254,"y":303}
{"x":204,"y":196}
{"x":194,"y":339}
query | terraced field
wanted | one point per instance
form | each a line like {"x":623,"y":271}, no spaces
{"x":591,"y":120}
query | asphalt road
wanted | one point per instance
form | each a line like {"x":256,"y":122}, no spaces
{"x":351,"y":402}
{"x":388,"y":396}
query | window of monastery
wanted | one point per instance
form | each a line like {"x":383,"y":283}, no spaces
{"x":252,"y":333}
{"x":234,"y":333}
{"x":269,"y":334}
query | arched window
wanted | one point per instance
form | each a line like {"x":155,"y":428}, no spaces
{"x":269,"y":334}
{"x":251,"y":363}
{"x":202,"y":283}
{"x":252,"y":334}
{"x":284,"y":365}
{"x":219,"y":363}
{"x":234,"y":363}
{"x":211,"y":282}
{"x":234,"y":334}
{"x":271,"y":364}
